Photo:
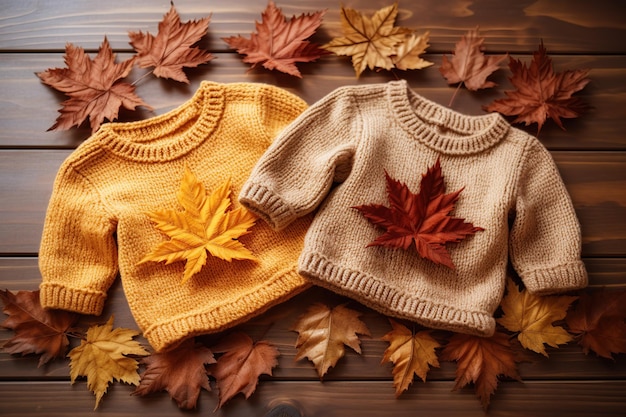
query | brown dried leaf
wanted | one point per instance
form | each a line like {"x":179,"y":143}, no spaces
{"x":278,"y":43}
{"x":242,"y":363}
{"x":407,"y":54}
{"x":598,"y":322}
{"x":181,"y":372}
{"x":323,"y":332}
{"x":94,"y":87}
{"x":172,"y":48}
{"x":37,"y":330}
{"x":481,"y":360}
{"x":411,"y":353}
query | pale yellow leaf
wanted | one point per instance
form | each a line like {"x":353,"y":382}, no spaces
{"x":407,"y":55}
{"x":101,"y":357}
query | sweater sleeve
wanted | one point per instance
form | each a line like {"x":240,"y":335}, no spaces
{"x":296,"y":172}
{"x":545,"y":239}
{"x":78,"y":253}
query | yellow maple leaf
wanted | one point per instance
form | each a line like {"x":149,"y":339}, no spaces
{"x":323,"y":332}
{"x":369,"y":41}
{"x":101,"y":357}
{"x":411,"y":353}
{"x":205,"y":225}
{"x":407,"y":55}
{"x":532,"y":317}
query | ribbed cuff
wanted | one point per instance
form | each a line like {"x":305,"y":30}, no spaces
{"x":267,"y":205}
{"x":71,"y":299}
{"x":561,"y":278}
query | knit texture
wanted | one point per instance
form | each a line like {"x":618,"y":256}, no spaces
{"x":334,"y":157}
{"x":96,"y":223}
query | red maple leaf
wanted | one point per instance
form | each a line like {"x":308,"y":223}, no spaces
{"x":423,"y":218}
{"x":541,"y":93}
{"x":278,"y":43}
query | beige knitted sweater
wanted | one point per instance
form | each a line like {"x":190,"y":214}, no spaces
{"x":97,"y":222}
{"x":334,"y":157}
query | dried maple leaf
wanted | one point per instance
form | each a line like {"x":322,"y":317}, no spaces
{"x":205,"y":225}
{"x":598,"y":322}
{"x":323,"y":332}
{"x":172,"y":48}
{"x":532,"y":317}
{"x":278,"y":43}
{"x":37,"y":330}
{"x":541,"y":93}
{"x":94,"y":87}
{"x":481,"y":360}
{"x":242,"y":363}
{"x":422,"y":218}
{"x":469,"y":65}
{"x":407,"y":53}
{"x":370,"y":41}
{"x":181,"y":372}
{"x":101,"y":357}
{"x":411,"y":353}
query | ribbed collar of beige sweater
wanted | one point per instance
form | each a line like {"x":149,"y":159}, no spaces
{"x":441,"y":128}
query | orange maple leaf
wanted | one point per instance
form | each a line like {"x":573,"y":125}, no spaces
{"x":172,"y":48}
{"x":242,"y":363}
{"x":541,"y":93}
{"x":94,"y":87}
{"x":37,"y":330}
{"x":421,"y":218}
{"x":323,"y":332}
{"x":481,"y":360}
{"x":278,"y":43}
{"x":598,"y":322}
{"x":180,"y":371}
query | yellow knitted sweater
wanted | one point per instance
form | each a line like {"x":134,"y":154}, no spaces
{"x":96,"y":224}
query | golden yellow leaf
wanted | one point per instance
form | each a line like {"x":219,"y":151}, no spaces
{"x":407,"y":55}
{"x":532,"y":317}
{"x":411,"y":353}
{"x":369,"y":41}
{"x":323,"y":332}
{"x":205,"y":225}
{"x":101,"y":357}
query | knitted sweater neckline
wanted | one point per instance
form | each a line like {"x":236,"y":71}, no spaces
{"x":170,"y":135}
{"x":441,"y":128}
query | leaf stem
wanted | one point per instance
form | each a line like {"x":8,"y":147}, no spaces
{"x":134,"y":83}
{"x":458,"y":87}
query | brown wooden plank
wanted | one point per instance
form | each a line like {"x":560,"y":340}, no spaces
{"x":328,"y":399}
{"x":566,"y":362}
{"x":565,"y":26}
{"x":594,"y":179}
{"x":29,"y":108}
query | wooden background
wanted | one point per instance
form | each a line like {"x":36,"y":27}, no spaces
{"x":590,"y":155}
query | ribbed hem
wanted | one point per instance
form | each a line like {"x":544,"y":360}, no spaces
{"x":168,"y":335}
{"x":566,"y":277}
{"x":374,"y":293}
{"x":267,"y":205}
{"x":71,"y":299}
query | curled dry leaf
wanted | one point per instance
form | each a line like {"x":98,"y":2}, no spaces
{"x":411,"y":353}
{"x":242,"y":363}
{"x":323,"y":332}
{"x":481,"y":360}
{"x":541,"y":93}
{"x":37,"y":330}
{"x":94,"y":88}
{"x":102,"y":358}
{"x":205,"y":225}
{"x":532,"y":317}
{"x":278,"y":43}
{"x":598,"y":321}
{"x":407,"y":54}
{"x":422,"y":219}
{"x":181,"y":372}
{"x":172,"y":48}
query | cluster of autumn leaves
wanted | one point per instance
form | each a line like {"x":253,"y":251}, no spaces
{"x":594,"y":319}
{"x":96,"y":88}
